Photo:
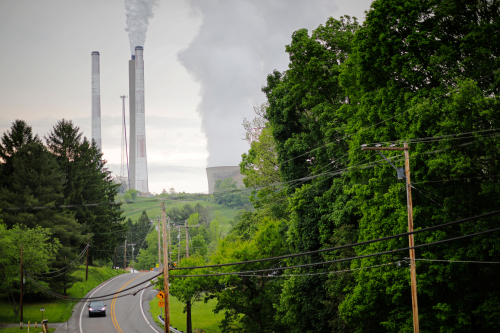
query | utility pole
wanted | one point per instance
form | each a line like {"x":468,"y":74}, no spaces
{"x":165,"y":270}
{"x":88,"y":248}
{"x":22,"y":290}
{"x":179,"y":250}
{"x":125,"y":256}
{"x":187,"y":236}
{"x":409,"y":205}
{"x":133,"y":269}
{"x":115,"y":259}
{"x":169,"y":242}
{"x":159,"y":247}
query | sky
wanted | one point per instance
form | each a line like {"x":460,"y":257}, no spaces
{"x":205,"y":64}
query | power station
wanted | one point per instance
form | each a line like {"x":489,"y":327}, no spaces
{"x":137,"y":153}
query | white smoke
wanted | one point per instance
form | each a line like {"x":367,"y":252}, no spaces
{"x":138,"y":14}
{"x":238,"y":44}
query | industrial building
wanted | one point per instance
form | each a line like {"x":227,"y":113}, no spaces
{"x":223,"y":172}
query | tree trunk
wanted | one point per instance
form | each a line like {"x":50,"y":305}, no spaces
{"x":189,"y":328}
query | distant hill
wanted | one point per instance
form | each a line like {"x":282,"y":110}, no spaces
{"x":152,"y":206}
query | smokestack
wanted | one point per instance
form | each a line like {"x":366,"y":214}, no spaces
{"x":132,"y":133}
{"x":96,"y":100}
{"x":141,"y":162}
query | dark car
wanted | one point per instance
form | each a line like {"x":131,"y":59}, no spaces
{"x":97,"y":307}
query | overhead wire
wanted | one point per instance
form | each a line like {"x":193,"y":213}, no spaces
{"x":439,"y":226}
{"x":340,"y":260}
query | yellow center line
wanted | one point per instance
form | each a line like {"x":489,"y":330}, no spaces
{"x":113,"y":303}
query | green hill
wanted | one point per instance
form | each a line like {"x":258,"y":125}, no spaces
{"x":152,"y":206}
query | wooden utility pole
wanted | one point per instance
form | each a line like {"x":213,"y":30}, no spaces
{"x":409,"y":204}
{"x":179,"y":249}
{"x":413,"y":270}
{"x":165,"y":270}
{"x":88,"y":248}
{"x":187,"y":236}
{"x":133,"y":267}
{"x":125,"y":256}
{"x":159,"y":247}
{"x":169,"y":241}
{"x":22,"y":290}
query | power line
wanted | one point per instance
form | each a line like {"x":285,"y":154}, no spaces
{"x":338,"y":260}
{"x":348,"y":245}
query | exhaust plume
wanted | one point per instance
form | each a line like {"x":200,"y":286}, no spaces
{"x":138,"y":14}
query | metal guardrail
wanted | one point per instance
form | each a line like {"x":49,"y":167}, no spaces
{"x":175,"y":330}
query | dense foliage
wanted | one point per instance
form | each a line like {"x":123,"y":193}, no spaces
{"x":63,"y":190}
{"x":425,"y":73}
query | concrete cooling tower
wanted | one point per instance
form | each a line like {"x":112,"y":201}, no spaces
{"x":223,"y":172}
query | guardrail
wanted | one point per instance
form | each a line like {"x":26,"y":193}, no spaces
{"x":175,"y":330}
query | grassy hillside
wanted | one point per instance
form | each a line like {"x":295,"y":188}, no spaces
{"x":56,"y":310}
{"x":152,"y":207}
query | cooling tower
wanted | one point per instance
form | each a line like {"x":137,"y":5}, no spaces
{"x":96,"y":99}
{"x":138,"y":152}
{"x":223,"y":172}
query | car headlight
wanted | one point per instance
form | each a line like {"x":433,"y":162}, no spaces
{"x":90,"y":309}
{"x":104,"y":308}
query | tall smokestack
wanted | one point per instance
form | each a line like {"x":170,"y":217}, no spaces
{"x":141,"y":161}
{"x":132,"y":133}
{"x":96,"y":99}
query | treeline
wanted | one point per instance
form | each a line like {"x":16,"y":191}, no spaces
{"x":57,"y":186}
{"x":411,"y":70}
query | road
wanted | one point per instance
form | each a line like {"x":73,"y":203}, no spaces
{"x":123,"y":314}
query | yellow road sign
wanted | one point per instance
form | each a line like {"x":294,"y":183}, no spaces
{"x":157,"y":265}
{"x":161,"y":304}
{"x":161,"y":295}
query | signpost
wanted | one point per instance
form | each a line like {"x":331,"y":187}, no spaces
{"x":161,"y":295}
{"x":161,"y":304}
{"x":42,"y":309}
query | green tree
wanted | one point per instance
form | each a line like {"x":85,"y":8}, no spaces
{"x":249,"y":302}
{"x":308,"y":129}
{"x":36,"y":189}
{"x":226,"y":192}
{"x":39,"y":251}
{"x":89,"y":187}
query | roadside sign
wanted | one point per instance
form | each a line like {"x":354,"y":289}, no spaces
{"x":161,"y":304}
{"x":151,"y":269}
{"x":161,"y":295}
{"x":42,"y":309}
{"x":157,"y":265}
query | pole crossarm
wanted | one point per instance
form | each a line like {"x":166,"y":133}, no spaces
{"x":385,"y":148}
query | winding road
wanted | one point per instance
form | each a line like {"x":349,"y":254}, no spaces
{"x":123,"y":314}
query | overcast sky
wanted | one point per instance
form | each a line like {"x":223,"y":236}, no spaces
{"x":205,"y":64}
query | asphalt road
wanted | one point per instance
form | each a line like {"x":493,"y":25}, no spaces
{"x":123,"y":314}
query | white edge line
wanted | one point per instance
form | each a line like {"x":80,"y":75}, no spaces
{"x":83,"y":304}
{"x":142,"y":311}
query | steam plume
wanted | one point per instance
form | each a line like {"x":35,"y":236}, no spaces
{"x":138,"y":14}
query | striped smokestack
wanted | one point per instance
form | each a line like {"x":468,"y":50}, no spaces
{"x":141,"y":161}
{"x":96,"y":99}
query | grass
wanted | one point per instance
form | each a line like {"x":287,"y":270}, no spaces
{"x":152,"y":208}
{"x":25,"y":329}
{"x":57,"y":311}
{"x":202,"y":315}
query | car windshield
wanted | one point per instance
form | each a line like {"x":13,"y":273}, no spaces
{"x":98,"y":304}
